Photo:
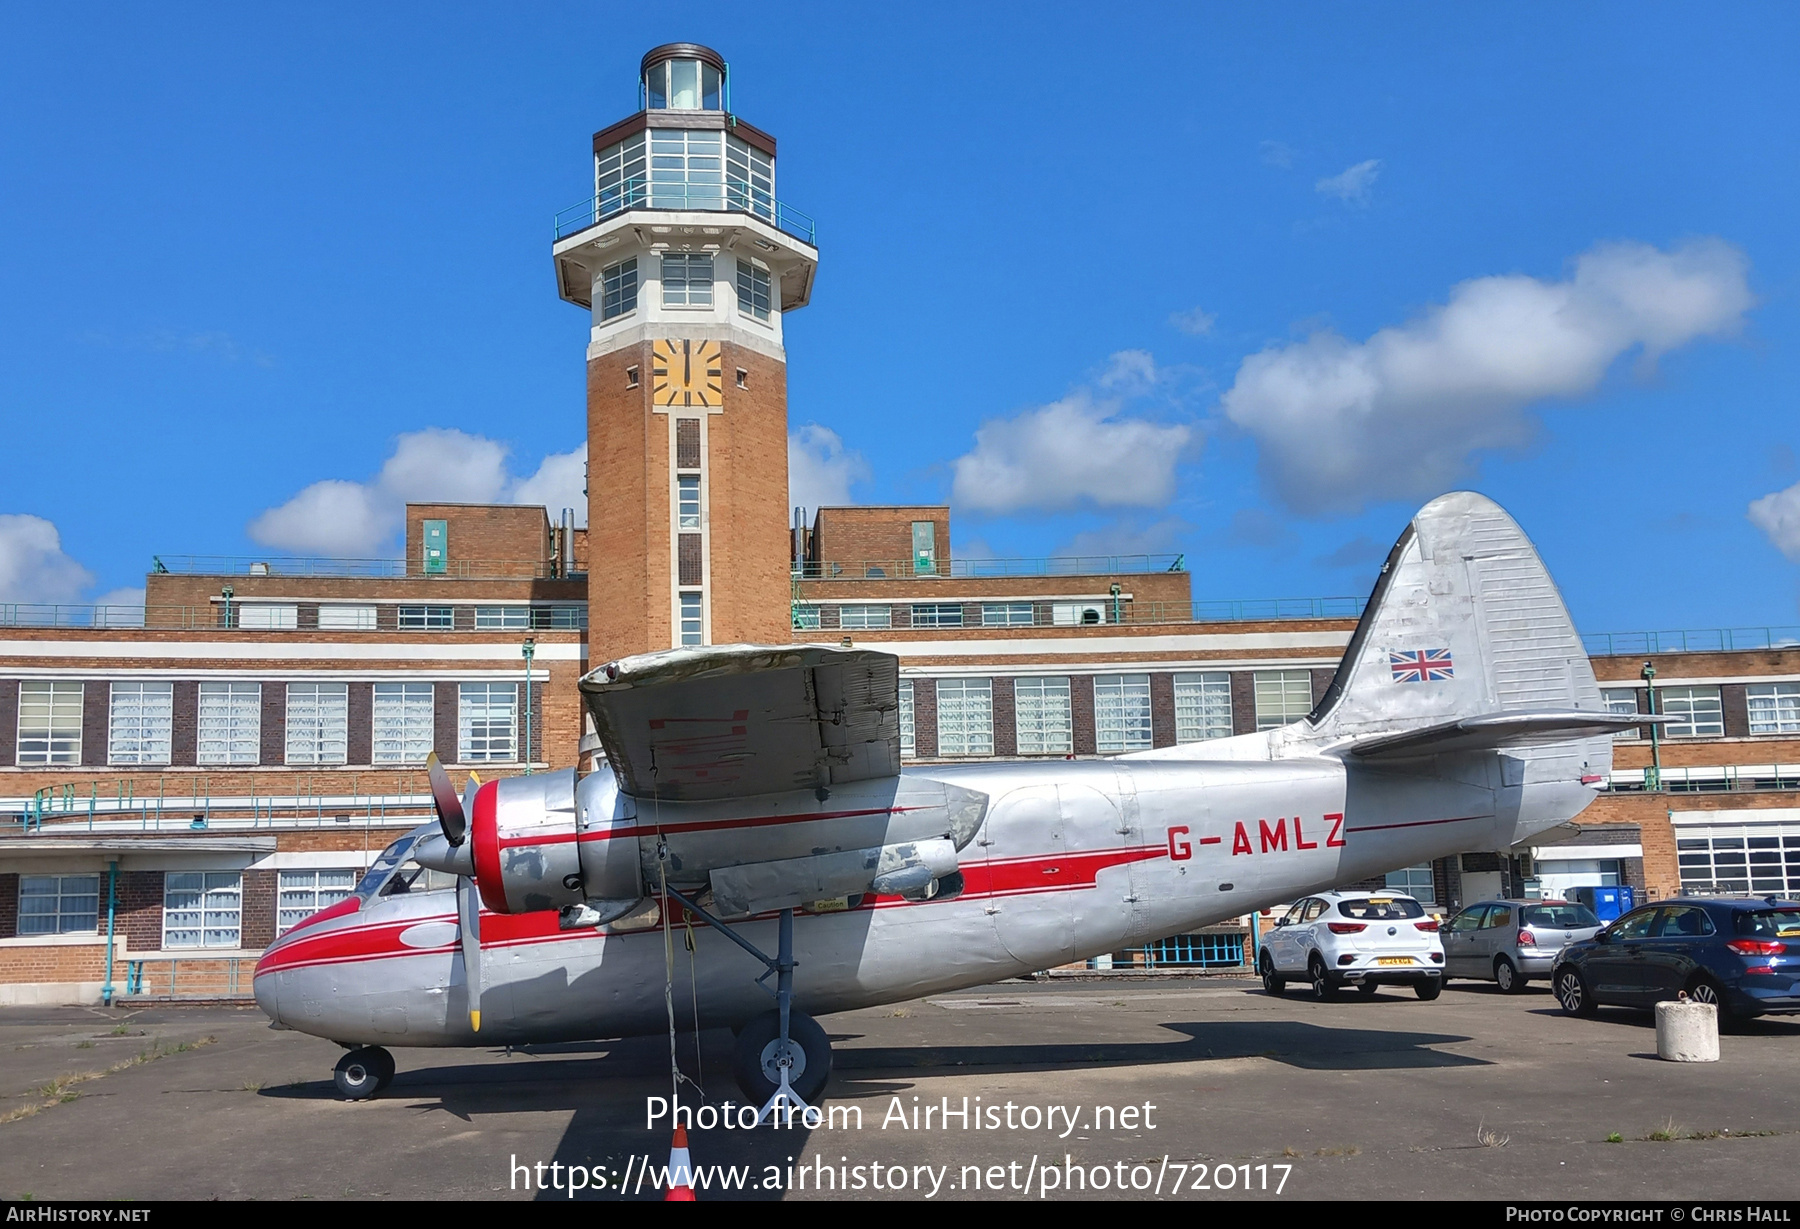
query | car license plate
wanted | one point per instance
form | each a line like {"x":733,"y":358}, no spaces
{"x":1395,"y":960}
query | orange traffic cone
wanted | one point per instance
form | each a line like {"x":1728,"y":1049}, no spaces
{"x":681,"y":1171}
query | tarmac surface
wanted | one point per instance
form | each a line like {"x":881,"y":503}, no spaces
{"x":1475,"y":1095}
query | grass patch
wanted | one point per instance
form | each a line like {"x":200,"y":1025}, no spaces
{"x":60,"y":1091}
{"x":1490,"y":1139}
{"x":1615,"y":1138}
{"x":84,"y":1045}
{"x":1352,"y":1150}
{"x":1664,"y":1134}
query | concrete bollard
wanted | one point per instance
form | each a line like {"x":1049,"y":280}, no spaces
{"x":1687,"y":1032}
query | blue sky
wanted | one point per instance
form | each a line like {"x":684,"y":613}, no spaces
{"x":1243,"y":283}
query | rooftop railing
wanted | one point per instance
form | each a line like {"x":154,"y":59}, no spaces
{"x":689,"y":197}
{"x":813,"y":618}
{"x":248,"y":617}
{"x":366,"y":569}
{"x":1707,"y":640}
{"x":913,"y":569}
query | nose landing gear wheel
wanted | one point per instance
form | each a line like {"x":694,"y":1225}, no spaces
{"x":757,"y":1056}
{"x":363,"y":1072}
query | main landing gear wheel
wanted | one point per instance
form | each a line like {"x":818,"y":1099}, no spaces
{"x":756,"y":1057}
{"x":1323,"y":987}
{"x":363,"y":1072}
{"x":1273,"y":982}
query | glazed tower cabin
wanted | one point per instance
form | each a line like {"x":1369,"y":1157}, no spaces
{"x":688,"y":262}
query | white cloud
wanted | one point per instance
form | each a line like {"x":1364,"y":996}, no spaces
{"x":1778,"y":515}
{"x":33,"y":567}
{"x":1196,"y":321}
{"x":1401,"y":415}
{"x":821,"y":470}
{"x":337,"y":517}
{"x":1353,"y":184}
{"x":1277,"y":153}
{"x":1125,"y":538}
{"x":1071,"y":452}
{"x":1128,"y":371}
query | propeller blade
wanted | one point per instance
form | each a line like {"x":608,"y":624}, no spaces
{"x":468,"y":917}
{"x":451,"y":817}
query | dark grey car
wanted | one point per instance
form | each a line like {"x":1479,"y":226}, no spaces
{"x":1513,"y":942}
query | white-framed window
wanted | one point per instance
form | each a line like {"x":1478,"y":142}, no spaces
{"x":503,"y":618}
{"x":1697,"y":712}
{"x":344,"y":617}
{"x":618,"y":289}
{"x":693,"y":619}
{"x":965,"y":709}
{"x":749,"y":178}
{"x":754,"y":290}
{"x":908,"y":739}
{"x":1416,"y":882}
{"x":687,"y":279}
{"x":318,"y":723}
{"x":1007,"y":614}
{"x":1774,"y":708}
{"x":1042,"y":716}
{"x":230,"y":723}
{"x":304,"y":893}
{"x":619,"y":180}
{"x":49,"y":722}
{"x":487,"y":722}
{"x":1202,"y":707}
{"x":202,"y":909}
{"x":1282,"y":697}
{"x":687,"y":168}
{"x":426,"y":618}
{"x":1624,"y":702}
{"x":139,"y":723}
{"x":865,"y":616}
{"x":273,"y":616}
{"x":937,"y":614}
{"x":403,"y":722}
{"x":1122,"y":712}
{"x":687,"y":502}
{"x":806,"y":619}
{"x":59,"y":904}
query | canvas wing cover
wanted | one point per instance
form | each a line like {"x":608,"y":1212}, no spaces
{"x":732,"y":720}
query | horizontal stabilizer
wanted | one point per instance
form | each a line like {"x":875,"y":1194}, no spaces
{"x":1502,"y":729}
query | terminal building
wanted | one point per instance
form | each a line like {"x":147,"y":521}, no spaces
{"x":181,"y":782}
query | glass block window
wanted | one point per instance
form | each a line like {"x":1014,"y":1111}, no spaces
{"x":693,"y":619}
{"x":687,"y":279}
{"x":334,"y":616}
{"x":1414,"y":881}
{"x":304,"y":893}
{"x":618,"y":289}
{"x":49,"y":723}
{"x":937,"y":614}
{"x":908,"y":744}
{"x":1621,"y":700}
{"x":687,"y":502}
{"x":1006,"y":614}
{"x":139,"y":723}
{"x":1202,"y":707}
{"x":865,"y":616}
{"x":1043,"y":719}
{"x":427,"y":618}
{"x":1122,"y":712}
{"x":403,"y":716}
{"x":1696,"y":712}
{"x":965,"y":717}
{"x":318,"y":723}
{"x":1282,"y":697}
{"x":503,"y":618}
{"x":1774,"y":708}
{"x":487,"y":723}
{"x":202,"y":909}
{"x":754,"y":291}
{"x":230,"y":723}
{"x":59,"y":904}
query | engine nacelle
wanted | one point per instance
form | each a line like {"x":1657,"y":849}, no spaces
{"x":524,"y":840}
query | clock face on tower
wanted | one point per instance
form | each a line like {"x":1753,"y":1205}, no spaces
{"x":686,"y":373}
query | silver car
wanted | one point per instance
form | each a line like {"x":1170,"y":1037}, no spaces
{"x":1513,"y":941}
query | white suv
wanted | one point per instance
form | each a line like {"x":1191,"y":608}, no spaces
{"x":1361,"y":939}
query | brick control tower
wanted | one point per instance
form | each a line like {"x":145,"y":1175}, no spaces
{"x":688,"y":262}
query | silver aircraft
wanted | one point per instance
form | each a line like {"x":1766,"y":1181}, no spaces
{"x":753,"y":804}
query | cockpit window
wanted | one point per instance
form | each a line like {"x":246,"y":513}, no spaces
{"x":384,"y":865}
{"x":413,"y":878}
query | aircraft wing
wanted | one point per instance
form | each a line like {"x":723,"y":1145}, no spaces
{"x":1491,"y":730}
{"x":731,"y":720}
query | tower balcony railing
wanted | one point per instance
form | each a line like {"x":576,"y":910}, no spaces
{"x":630,"y":194}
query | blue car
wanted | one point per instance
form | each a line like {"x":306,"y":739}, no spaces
{"x":1741,"y":955}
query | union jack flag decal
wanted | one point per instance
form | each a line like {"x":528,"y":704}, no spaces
{"x":1422,"y":666}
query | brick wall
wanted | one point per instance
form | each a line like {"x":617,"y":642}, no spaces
{"x":360,"y":727}
{"x":877,"y":534}
{"x":628,"y":511}
{"x":1081,"y":710}
{"x":96,"y":699}
{"x":1162,"y":710}
{"x":274,"y":723}
{"x":257,"y":921}
{"x":443,"y":721}
{"x":56,"y":962}
{"x":481,"y":533}
{"x":925,"y":741}
{"x":1006,"y":719}
{"x":1243,"y":702}
{"x":9,"y":905}
{"x":140,"y":909}
{"x":184,"y":725}
{"x":1735,"y":704}
{"x":9,"y":722}
{"x":747,"y":504}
